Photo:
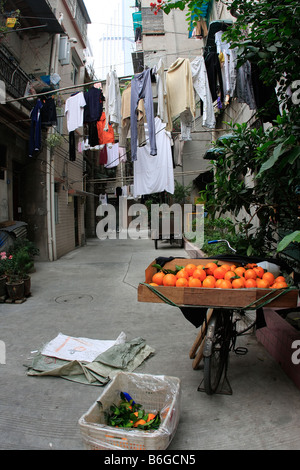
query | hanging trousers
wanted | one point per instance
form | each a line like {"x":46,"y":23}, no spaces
{"x":141,"y":89}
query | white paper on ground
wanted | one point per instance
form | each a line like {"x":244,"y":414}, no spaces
{"x":70,"y":348}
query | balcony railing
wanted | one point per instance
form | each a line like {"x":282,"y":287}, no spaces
{"x":12,"y":75}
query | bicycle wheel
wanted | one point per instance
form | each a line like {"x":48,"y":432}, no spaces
{"x":216,"y":349}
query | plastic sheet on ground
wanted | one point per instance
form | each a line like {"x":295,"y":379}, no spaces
{"x":125,"y":356}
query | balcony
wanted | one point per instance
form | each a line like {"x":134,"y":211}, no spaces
{"x":12,"y":75}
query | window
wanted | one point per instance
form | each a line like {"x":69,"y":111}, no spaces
{"x":74,"y":73}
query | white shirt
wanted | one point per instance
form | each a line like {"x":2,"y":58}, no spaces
{"x":74,"y":110}
{"x":201,"y":86}
{"x":154,"y":174}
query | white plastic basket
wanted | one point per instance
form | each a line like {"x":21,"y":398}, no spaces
{"x":154,"y":392}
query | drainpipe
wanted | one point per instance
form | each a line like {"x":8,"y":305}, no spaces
{"x":52,"y":198}
{"x":48,"y":195}
{"x":50,"y":167}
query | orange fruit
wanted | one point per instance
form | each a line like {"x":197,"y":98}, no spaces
{"x":153,"y":284}
{"x":226,"y":267}
{"x":190,"y":268}
{"x":250,"y":283}
{"x":250,"y":274}
{"x":280,"y":279}
{"x":218,"y":282}
{"x":209,"y":281}
{"x":259,"y":271}
{"x":182,"y":273}
{"x":262,"y":283}
{"x":182,"y":282}
{"x":219,"y":272}
{"x":250,"y":265}
{"x":210,"y":267}
{"x":232,"y":267}
{"x":225,"y":284}
{"x":269,"y":277}
{"x":158,"y":278}
{"x":229,"y":275}
{"x":239,"y":270}
{"x":279,"y":285}
{"x":169,"y":280}
{"x":199,"y":274}
{"x":238,"y":283}
{"x":193,"y":282}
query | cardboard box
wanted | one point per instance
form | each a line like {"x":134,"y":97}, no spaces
{"x":205,"y":297}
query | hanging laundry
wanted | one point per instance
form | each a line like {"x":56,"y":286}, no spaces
{"x":214,"y":75}
{"x":201,"y":86}
{"x":103,"y":155}
{"x":154,"y":174}
{"x":112,"y":101}
{"x":74,"y":110}
{"x":35,"y":140}
{"x":200,"y":31}
{"x":103,"y":199}
{"x":265,"y":96}
{"x":122,"y":154}
{"x":199,"y":14}
{"x":228,"y":60}
{"x":244,"y":87}
{"x":178,"y":151}
{"x":141,"y":88}
{"x":105,"y":137}
{"x":126,"y":121}
{"x":162,"y":105}
{"x":94,"y":104}
{"x":112,"y":155}
{"x":93,"y":134}
{"x":72,"y":146}
{"x":48,"y":112}
{"x":180,"y":95}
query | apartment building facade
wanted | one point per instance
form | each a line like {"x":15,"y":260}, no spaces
{"x":43,"y":57}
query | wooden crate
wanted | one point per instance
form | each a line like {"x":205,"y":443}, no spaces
{"x":206,"y":297}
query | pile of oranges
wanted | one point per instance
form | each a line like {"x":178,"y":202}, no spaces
{"x":224,"y":276}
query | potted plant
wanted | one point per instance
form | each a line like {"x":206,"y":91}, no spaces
{"x":23,"y":264}
{"x":14,"y":280}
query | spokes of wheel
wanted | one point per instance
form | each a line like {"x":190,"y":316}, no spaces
{"x":216,"y":350}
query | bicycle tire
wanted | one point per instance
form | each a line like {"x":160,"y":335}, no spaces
{"x":216,"y":349}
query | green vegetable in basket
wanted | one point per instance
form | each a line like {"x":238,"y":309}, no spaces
{"x":128,"y":414}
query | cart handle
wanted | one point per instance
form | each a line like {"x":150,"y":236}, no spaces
{"x":219,"y":241}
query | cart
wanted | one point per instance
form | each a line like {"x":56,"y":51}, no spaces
{"x":219,"y":313}
{"x":172,"y":230}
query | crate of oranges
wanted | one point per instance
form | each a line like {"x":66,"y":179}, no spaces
{"x":213,"y":283}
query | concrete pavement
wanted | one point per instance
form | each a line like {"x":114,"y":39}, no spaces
{"x":92,"y":292}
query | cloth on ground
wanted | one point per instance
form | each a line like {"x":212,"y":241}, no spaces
{"x":125,"y":356}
